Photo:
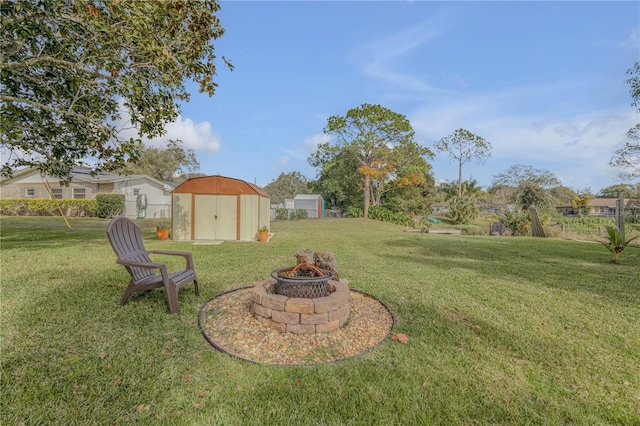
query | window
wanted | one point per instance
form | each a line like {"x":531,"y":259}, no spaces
{"x":30,"y":192}
{"x":79,"y":193}
{"x":57,"y":193}
{"x":136,"y":191}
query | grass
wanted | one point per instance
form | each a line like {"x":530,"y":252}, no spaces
{"x":503,"y":330}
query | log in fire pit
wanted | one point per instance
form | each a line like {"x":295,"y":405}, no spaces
{"x":302,"y":280}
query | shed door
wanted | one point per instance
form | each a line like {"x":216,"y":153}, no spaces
{"x":216,"y":217}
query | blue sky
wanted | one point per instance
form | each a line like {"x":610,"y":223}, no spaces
{"x":544,"y":82}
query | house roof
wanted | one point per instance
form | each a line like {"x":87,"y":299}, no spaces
{"x":599,"y":202}
{"x":307,"y":197}
{"x":84,"y":175}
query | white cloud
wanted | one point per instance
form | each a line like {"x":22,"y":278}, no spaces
{"x":197,"y":136}
{"x":382,"y":56}
{"x":300,"y":152}
{"x":632,"y":41}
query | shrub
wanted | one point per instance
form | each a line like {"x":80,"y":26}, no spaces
{"x":355,"y":212}
{"x":299,"y":214}
{"x":47,"y":207}
{"x":282,"y":214}
{"x":519,"y":223}
{"x":109,"y":205}
{"x":384,"y":214}
{"x":463,"y":209}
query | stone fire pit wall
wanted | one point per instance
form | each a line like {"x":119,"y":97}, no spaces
{"x":301,"y":315}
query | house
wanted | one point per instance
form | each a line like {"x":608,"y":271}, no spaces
{"x":601,"y":207}
{"x":145,"y":196}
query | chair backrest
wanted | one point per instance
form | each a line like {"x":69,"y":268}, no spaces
{"x":125,"y":237}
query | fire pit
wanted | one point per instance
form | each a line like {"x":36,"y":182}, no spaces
{"x":301,"y":300}
{"x":303,"y":280}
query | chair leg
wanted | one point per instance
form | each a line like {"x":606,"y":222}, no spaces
{"x":195,"y":283}
{"x":127,"y":293}
{"x":172,"y":296}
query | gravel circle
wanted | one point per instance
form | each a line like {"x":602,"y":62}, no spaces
{"x":228,"y":325}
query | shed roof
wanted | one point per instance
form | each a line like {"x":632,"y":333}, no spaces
{"x":219,"y":185}
{"x":307,"y":197}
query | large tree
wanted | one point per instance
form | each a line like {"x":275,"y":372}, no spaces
{"x":381,"y":142}
{"x":621,"y":190}
{"x":287,"y":185}
{"x":627,"y":157}
{"x":166,"y":164}
{"x":338,"y":178}
{"x":515,"y":175}
{"x":69,"y":67}
{"x":463,"y":146}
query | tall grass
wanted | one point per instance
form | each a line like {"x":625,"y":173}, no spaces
{"x":503,"y":330}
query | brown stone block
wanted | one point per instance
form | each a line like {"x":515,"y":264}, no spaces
{"x":282,"y":328}
{"x":344,"y":320}
{"x":301,"y":328}
{"x":300,"y":305}
{"x":257,"y":292}
{"x":325,"y":304}
{"x":285,"y":317}
{"x":314,"y":318}
{"x":342,"y":297}
{"x":276,"y":302}
{"x":328,"y":326}
{"x":340,"y":312}
{"x":261,"y":310}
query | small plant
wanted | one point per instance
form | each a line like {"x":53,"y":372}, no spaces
{"x":263,"y":228}
{"x":163,"y":226}
{"x":615,"y":243}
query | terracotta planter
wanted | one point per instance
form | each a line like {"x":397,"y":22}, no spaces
{"x":263,"y":236}
{"x":162,"y":234}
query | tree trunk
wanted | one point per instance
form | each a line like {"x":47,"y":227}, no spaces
{"x":367,"y":194}
{"x":460,"y":179}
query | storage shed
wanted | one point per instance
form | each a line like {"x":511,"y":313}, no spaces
{"x":312,"y":203}
{"x":218,"y":208}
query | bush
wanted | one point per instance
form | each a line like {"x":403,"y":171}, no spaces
{"x":282,"y":214}
{"x":355,"y":212}
{"x":109,"y":205}
{"x":299,"y":214}
{"x":519,"y":223}
{"x":47,"y":207}
{"x":384,"y":214}
{"x":463,"y":209}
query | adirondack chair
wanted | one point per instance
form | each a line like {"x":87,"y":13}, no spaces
{"x":126,"y":239}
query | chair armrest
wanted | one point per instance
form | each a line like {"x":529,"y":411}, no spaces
{"x":187,"y":255}
{"x":139,"y":264}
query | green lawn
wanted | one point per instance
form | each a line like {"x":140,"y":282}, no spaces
{"x":503,"y":330}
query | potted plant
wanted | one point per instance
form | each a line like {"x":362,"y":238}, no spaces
{"x":162,"y":230}
{"x":263,"y":233}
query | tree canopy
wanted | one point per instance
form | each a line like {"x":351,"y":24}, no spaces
{"x":338,"y":178}
{"x":463,"y":146}
{"x":381,"y":143}
{"x":621,"y":190}
{"x":70,"y":68}
{"x":166,"y":164}
{"x":515,"y":175}
{"x":287,"y":186}
{"x":627,"y":158}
